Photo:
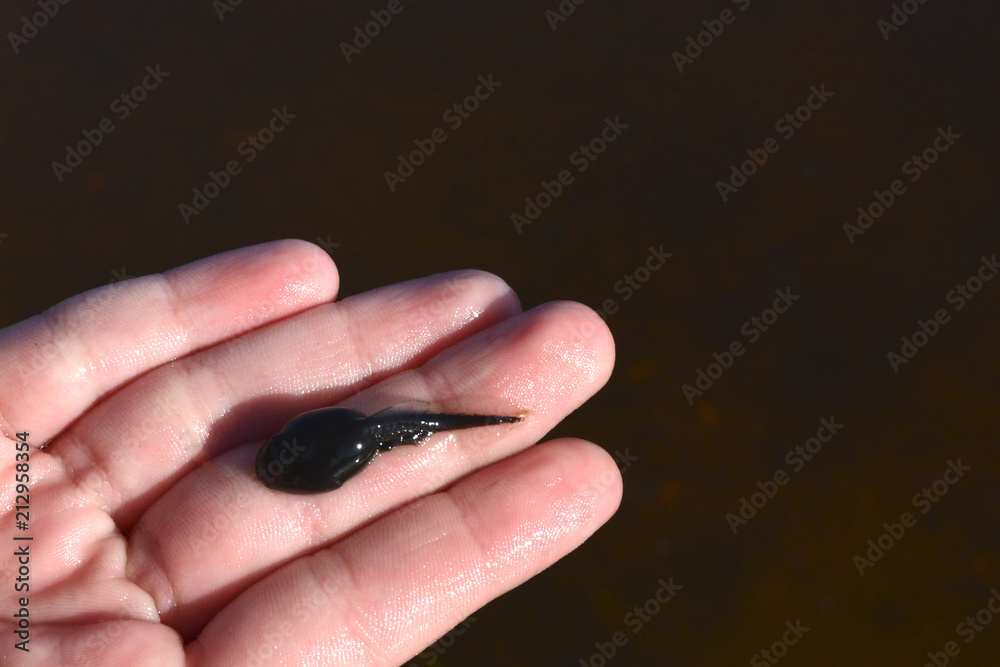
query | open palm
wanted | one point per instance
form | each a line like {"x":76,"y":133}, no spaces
{"x":145,"y":402}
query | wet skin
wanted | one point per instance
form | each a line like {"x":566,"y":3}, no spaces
{"x":320,"y":450}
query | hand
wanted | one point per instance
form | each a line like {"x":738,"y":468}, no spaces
{"x":146,"y":401}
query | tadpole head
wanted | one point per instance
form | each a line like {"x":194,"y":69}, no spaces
{"x":317,"y":451}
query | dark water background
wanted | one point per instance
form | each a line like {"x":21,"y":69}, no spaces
{"x":322,"y":178}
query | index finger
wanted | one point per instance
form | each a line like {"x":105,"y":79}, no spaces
{"x":61,"y":361}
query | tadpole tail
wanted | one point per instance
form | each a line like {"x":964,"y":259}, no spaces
{"x":445,"y":422}
{"x":411,"y":429}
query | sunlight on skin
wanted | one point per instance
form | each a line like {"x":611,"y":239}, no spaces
{"x":153,"y":541}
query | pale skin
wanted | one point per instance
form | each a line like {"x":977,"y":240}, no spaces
{"x":146,"y":401}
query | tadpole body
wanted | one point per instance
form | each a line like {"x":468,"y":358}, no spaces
{"x":320,"y":450}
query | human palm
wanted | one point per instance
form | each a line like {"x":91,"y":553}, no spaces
{"x":145,"y":402}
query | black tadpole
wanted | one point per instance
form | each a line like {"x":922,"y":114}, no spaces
{"x":320,"y":450}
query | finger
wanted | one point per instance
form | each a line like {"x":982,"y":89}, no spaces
{"x":129,"y":449}
{"x":219,"y":529}
{"x":100,"y":643}
{"x":58,"y":363}
{"x":384,"y":593}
